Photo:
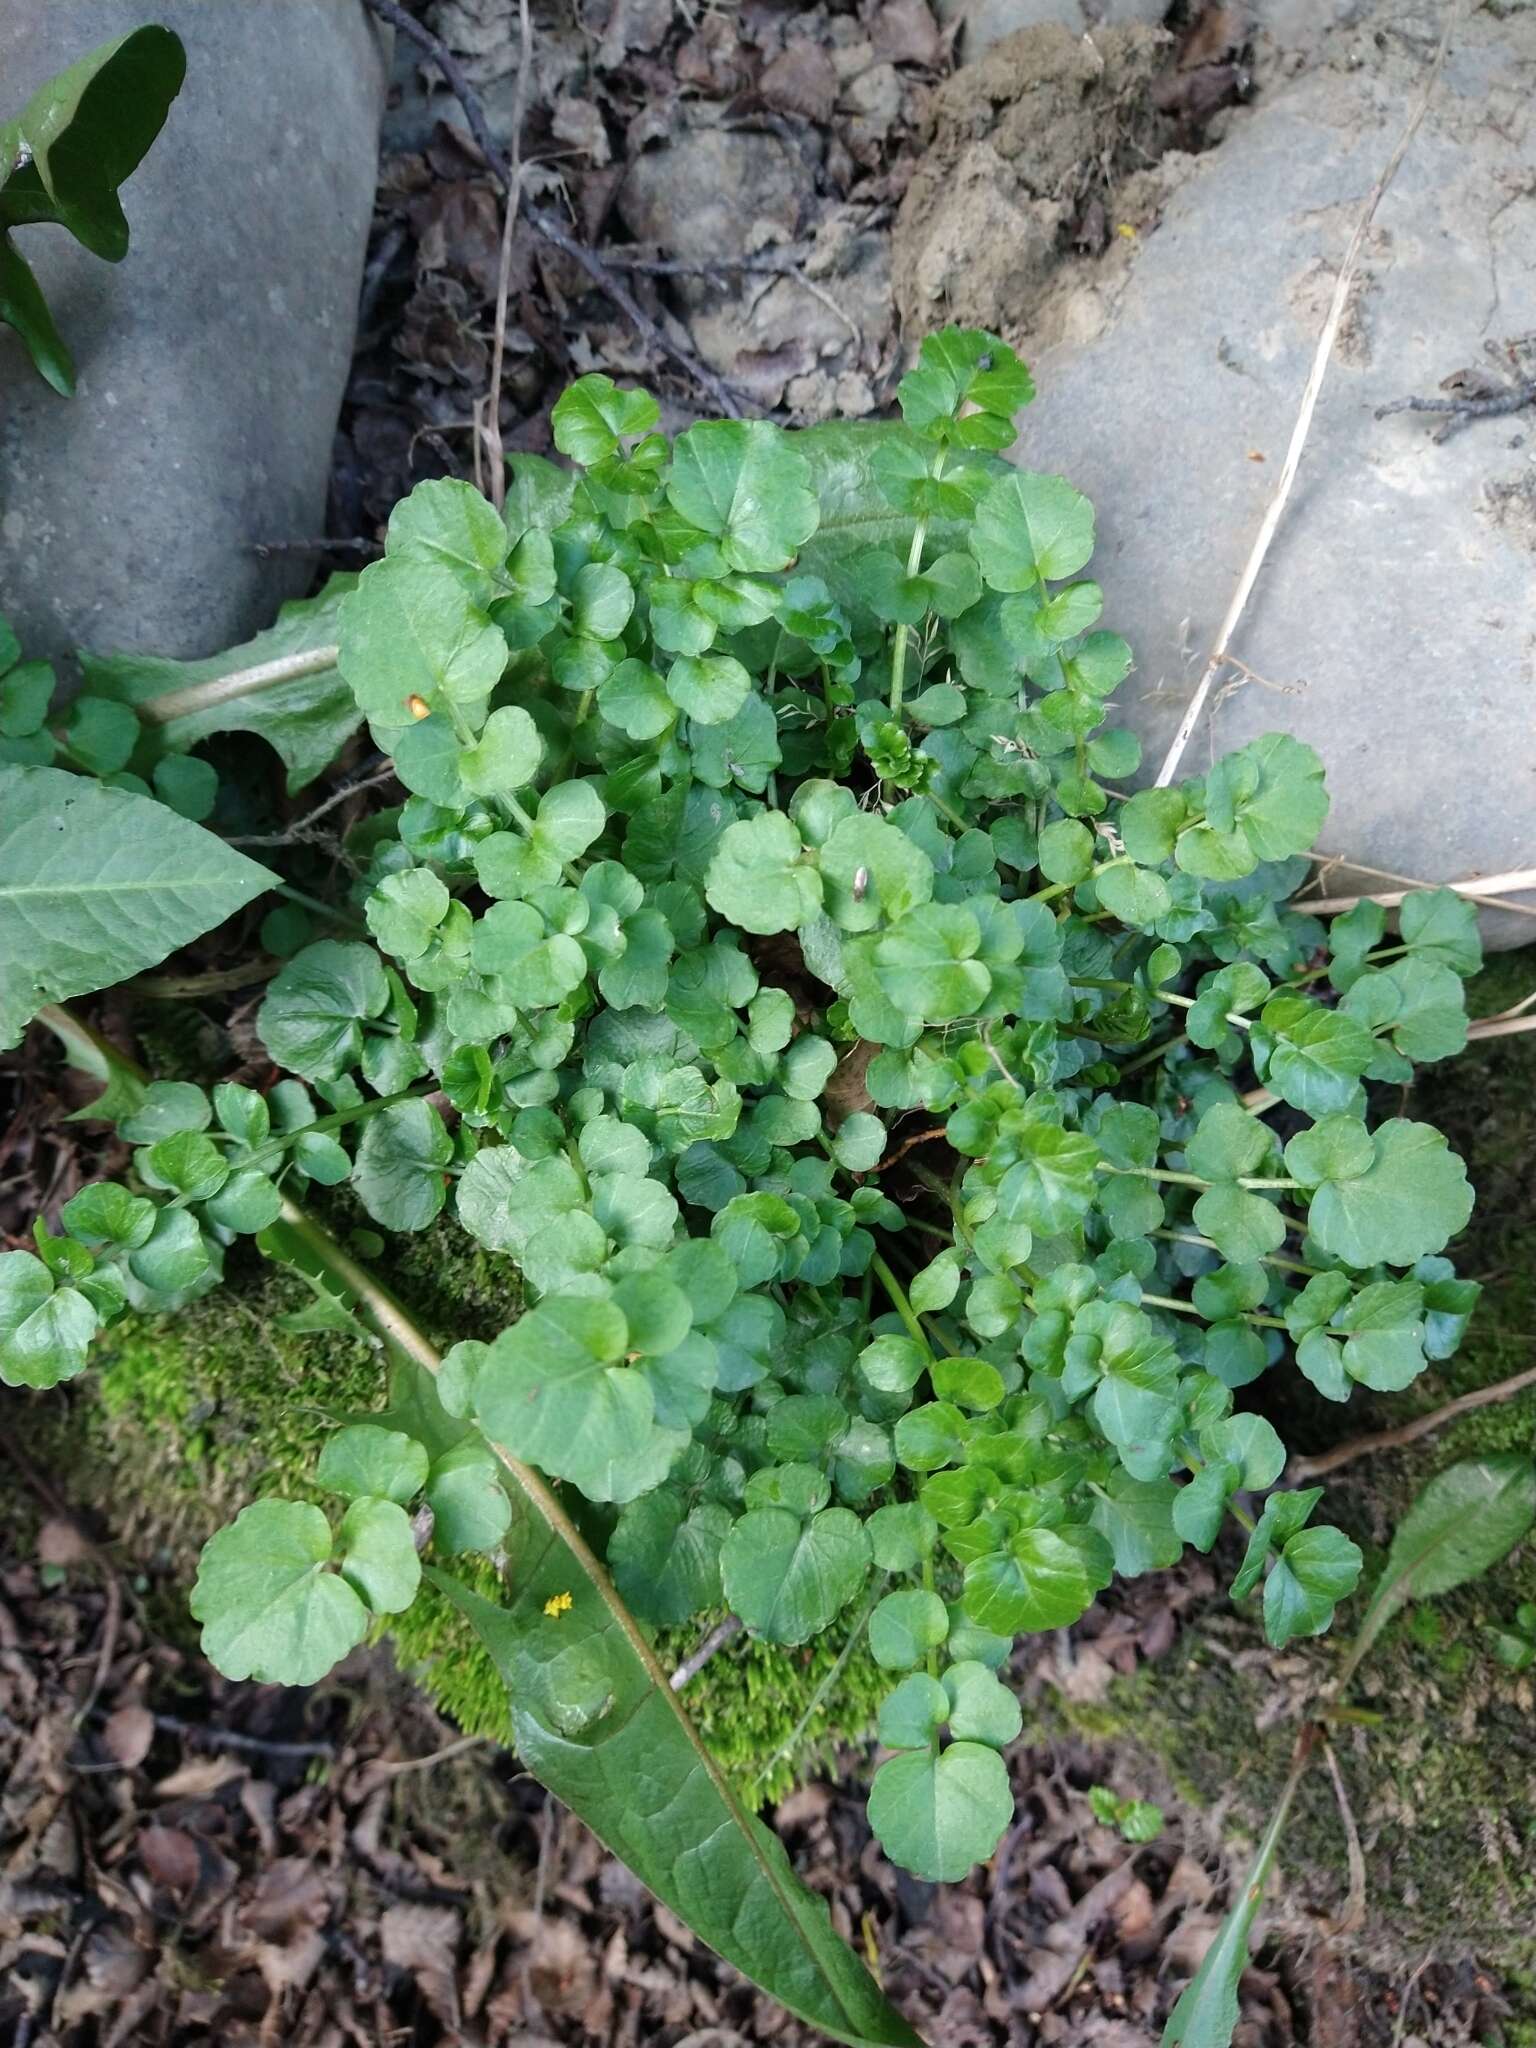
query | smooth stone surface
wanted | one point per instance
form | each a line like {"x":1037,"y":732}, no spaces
{"x":1398,"y":601}
{"x":212,"y":360}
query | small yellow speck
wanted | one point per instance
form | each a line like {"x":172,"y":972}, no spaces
{"x":1127,"y":230}
{"x":418,"y":707}
{"x":558,"y":1604}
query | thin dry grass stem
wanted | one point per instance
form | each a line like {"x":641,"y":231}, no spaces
{"x":1309,"y":397}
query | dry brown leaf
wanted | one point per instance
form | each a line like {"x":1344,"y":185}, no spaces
{"x":61,"y":1542}
{"x":425,"y":1941}
{"x":199,"y":1778}
{"x":171,"y":1858}
{"x":801,"y":80}
{"x":287,"y":1891}
{"x":127,"y":1734}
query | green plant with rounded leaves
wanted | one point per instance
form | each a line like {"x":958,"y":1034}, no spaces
{"x":768,"y":956}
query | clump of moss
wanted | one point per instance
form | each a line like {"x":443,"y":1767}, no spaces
{"x":185,"y":1419}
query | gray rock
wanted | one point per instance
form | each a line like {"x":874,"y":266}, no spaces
{"x":986,"y":22}
{"x":1395,"y":619}
{"x":212,"y":360}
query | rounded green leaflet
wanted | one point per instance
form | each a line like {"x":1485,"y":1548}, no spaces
{"x":1066,"y":851}
{"x":165,"y":1108}
{"x":45,"y":1331}
{"x":789,"y":1580}
{"x":470,"y":1507}
{"x":188,"y":1164}
{"x":873,"y":873}
{"x":901,"y":1536}
{"x":981,"y":1707}
{"x":926,"y":967}
{"x":912,"y":1715}
{"x":106,"y":1214}
{"x":893,"y":1365}
{"x":1412,"y":1198}
{"x":377,"y":1554}
{"x":1242,"y":1225}
{"x":758,"y":879}
{"x":553,"y":1390}
{"x":506,"y":756}
{"x":710,"y":688}
{"x":940,"y":1815}
{"x":364,"y":1459}
{"x":859,"y":1142}
{"x":311,"y":1019}
{"x":1030,"y":526}
{"x":453,"y":524}
{"x":1137,"y":896}
{"x":1316,"y":1569}
{"x":504,"y":1199}
{"x":1045,"y":1579}
{"x":398,"y":1168}
{"x":665,"y":1560}
{"x":591,"y":418}
{"x":174,"y":1256}
{"x":802,"y":1488}
{"x":746,"y":484}
{"x":1337,"y":1147}
{"x":1228,"y":1144}
{"x":270,"y":1607}
{"x":969,"y":1382}
{"x":634,"y":697}
{"x":905,"y":1626}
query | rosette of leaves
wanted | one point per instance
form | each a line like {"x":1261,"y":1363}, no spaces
{"x":764,"y":811}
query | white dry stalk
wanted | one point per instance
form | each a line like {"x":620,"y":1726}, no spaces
{"x":1277,"y":504}
{"x":1490,"y":889}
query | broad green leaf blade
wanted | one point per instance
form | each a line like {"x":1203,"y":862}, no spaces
{"x":23,"y":307}
{"x":270,"y":1607}
{"x":1464,"y":1521}
{"x":304,"y":710}
{"x":84,"y":132}
{"x":595,"y":1718}
{"x":96,"y":885}
{"x":940,"y":1815}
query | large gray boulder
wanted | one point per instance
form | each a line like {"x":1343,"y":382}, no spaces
{"x":1394,"y":624}
{"x":212,"y":360}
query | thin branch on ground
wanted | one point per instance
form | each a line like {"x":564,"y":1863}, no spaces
{"x":1516,"y":399}
{"x":910,"y":1144}
{"x":1353,"y":1915}
{"x":1314,"y":385}
{"x":724,"y":1632}
{"x":1303,"y":1470}
{"x":230,"y":1738}
{"x":1498,"y":1027}
{"x":490,"y":409}
{"x":327,"y":544}
{"x":743,"y":266}
{"x":398,"y":1768}
{"x":302,"y":829}
{"x":1489,"y":889}
{"x":543,"y":223}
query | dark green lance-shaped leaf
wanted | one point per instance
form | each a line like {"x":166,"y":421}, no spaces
{"x":788,"y":1579}
{"x":97,"y":884}
{"x":594,"y":1718}
{"x":62,"y":159}
{"x":1464,"y":1521}
{"x":1207,"y":2013}
{"x":270,"y":1606}
{"x":941,"y":1815}
{"x":284,"y":687}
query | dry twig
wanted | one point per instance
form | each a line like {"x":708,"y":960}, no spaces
{"x":1309,"y":397}
{"x":1302,"y":1470}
